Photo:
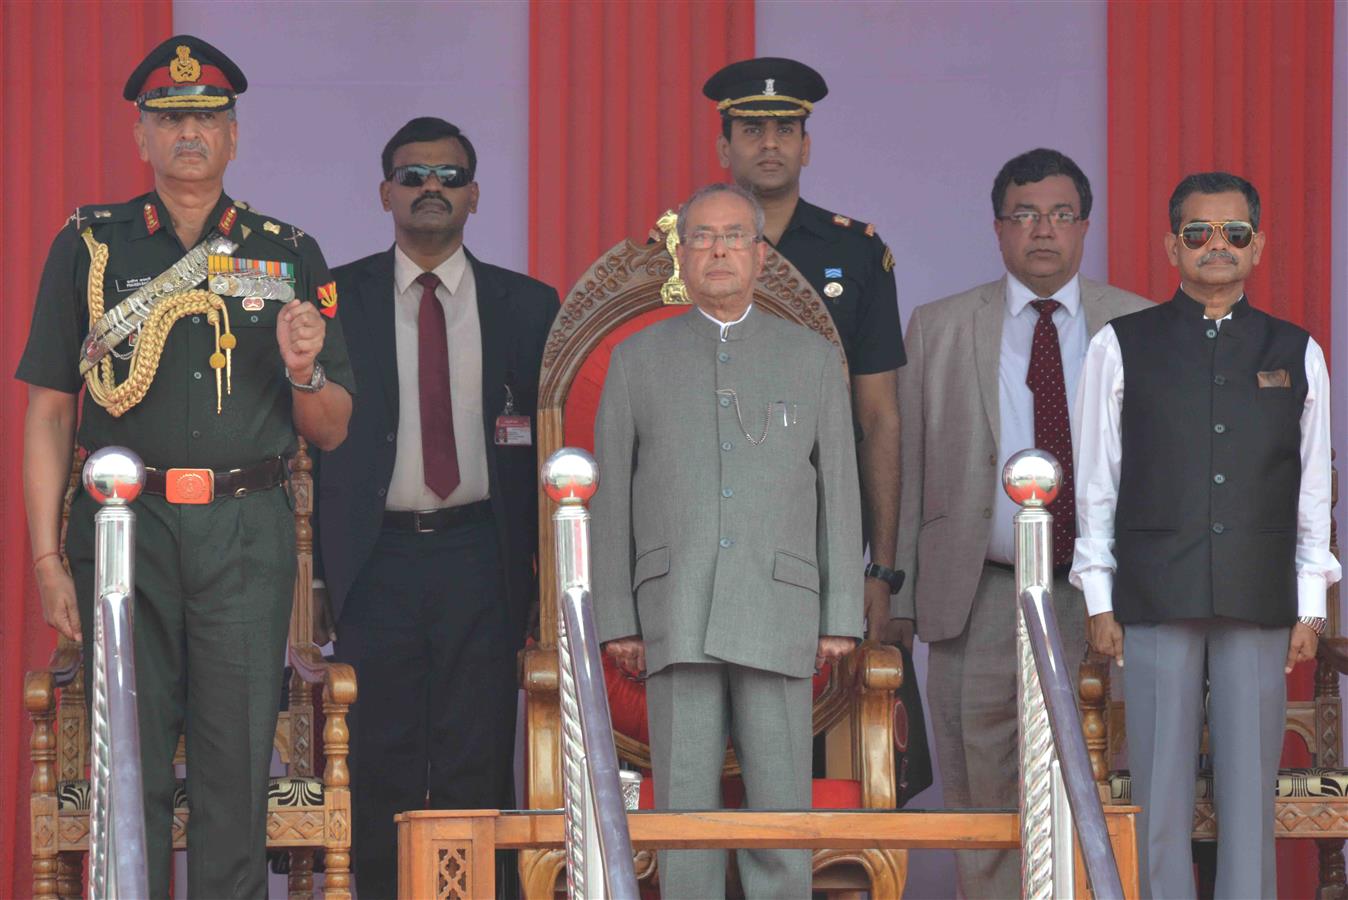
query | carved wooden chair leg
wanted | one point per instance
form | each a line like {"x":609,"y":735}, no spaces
{"x":1332,"y":881}
{"x":70,"y":874}
{"x":300,"y":883}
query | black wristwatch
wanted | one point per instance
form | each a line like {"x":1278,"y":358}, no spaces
{"x":889,"y":576}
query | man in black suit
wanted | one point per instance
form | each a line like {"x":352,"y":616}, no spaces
{"x":428,"y":514}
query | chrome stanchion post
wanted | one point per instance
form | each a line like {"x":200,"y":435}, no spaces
{"x":598,"y":847}
{"x":1031,"y":478}
{"x":114,"y":477}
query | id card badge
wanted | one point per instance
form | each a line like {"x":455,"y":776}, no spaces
{"x":513,"y":430}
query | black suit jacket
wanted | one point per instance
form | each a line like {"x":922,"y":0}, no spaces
{"x":515,"y":313}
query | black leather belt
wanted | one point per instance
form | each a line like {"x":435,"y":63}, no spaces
{"x":426,"y":521}
{"x":1058,"y":571}
{"x":190,"y":486}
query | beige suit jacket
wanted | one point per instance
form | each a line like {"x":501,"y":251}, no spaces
{"x":949,"y":397}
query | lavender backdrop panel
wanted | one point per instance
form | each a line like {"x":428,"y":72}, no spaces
{"x":329,"y":83}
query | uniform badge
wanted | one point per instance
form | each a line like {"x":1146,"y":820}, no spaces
{"x":253,"y":304}
{"x":327,"y":299}
{"x":151,"y":218}
{"x":842,"y":220}
{"x":833,"y":290}
{"x":271,"y":228}
{"x":102,"y":214}
{"x":888,"y":262}
{"x":184,"y":67}
{"x":227,"y":220}
{"x":870,"y":230}
{"x":833,"y":273}
{"x":294,"y":237}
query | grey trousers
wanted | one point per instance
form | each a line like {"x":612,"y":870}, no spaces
{"x":971,"y":688}
{"x":1163,"y":707}
{"x":693,"y":709}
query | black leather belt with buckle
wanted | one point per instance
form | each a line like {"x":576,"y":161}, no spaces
{"x":426,"y":521}
{"x":195,"y":486}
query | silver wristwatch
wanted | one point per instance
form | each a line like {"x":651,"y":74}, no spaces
{"x":1314,"y":623}
{"x":316,"y":381}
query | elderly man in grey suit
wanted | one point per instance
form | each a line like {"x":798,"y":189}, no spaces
{"x":727,"y":538}
{"x":989,"y":373}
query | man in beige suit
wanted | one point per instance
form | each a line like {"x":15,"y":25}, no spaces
{"x":990,"y":372}
{"x":727,"y":538}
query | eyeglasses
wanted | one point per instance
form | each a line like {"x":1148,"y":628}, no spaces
{"x":1029,"y":218}
{"x":1196,"y":235}
{"x":416,"y":175}
{"x":734,"y":240}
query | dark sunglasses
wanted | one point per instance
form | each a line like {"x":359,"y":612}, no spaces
{"x":416,"y":175}
{"x":1196,"y":235}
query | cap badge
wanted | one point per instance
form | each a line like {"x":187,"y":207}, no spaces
{"x":184,"y":68}
{"x":768,"y":87}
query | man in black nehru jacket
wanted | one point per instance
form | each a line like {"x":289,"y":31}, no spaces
{"x":1203,"y":509}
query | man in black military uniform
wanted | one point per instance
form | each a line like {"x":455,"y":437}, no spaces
{"x":764,"y":103}
{"x":230,"y":350}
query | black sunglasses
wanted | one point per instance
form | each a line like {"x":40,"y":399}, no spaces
{"x":416,"y":175}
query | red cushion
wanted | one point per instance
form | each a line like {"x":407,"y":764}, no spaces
{"x":826,"y":793}
{"x":627,"y":700}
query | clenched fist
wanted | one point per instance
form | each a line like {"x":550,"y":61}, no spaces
{"x":300,"y":330}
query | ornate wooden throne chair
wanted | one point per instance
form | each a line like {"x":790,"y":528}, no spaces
{"x":628,"y":288}
{"x":307,"y":809}
{"x":1311,"y":803}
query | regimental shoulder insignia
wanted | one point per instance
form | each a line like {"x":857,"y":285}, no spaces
{"x":842,"y":220}
{"x":184,"y":68}
{"x":327,"y":299}
{"x":870,"y":230}
{"x":887,"y":263}
{"x":83,"y":216}
{"x":151,"y":218}
{"x":241,"y":205}
{"x":271,"y":228}
{"x":226,"y":224}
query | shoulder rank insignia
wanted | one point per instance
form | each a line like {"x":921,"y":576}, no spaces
{"x":327,"y":299}
{"x":842,"y":220}
{"x":102,"y":214}
{"x":271,"y":228}
{"x":241,"y":205}
{"x":151,"y":219}
{"x":870,"y":230}
{"x":887,"y":263}
{"x":227,"y":220}
{"x":77,"y":218}
{"x":294,"y":238}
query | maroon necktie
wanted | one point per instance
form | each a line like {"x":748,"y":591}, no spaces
{"x":439,"y":456}
{"x":1052,"y":427}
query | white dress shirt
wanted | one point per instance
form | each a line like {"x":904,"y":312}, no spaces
{"x":1016,"y":401}
{"x":1099,"y":451}
{"x":458,"y":296}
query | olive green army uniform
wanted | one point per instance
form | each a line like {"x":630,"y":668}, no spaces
{"x":214,"y":581}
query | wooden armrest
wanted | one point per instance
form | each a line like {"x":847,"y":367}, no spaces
{"x":40,"y":685}
{"x":1333,"y":651}
{"x":877,"y":671}
{"x":338,"y":679}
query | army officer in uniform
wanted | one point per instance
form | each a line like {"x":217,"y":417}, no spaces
{"x":231,"y":350}
{"x":764,"y":104}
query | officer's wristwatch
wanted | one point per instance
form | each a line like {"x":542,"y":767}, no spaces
{"x":889,"y":576}
{"x":316,"y":381}
{"x":1314,"y":623}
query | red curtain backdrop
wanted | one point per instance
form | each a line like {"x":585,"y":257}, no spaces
{"x":1243,"y":87}
{"x":66,"y":142}
{"x":619,"y":132}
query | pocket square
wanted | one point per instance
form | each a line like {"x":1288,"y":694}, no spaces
{"x":1276,"y":378}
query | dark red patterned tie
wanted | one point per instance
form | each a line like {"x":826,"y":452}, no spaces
{"x":1052,"y":426}
{"x":439,"y":455}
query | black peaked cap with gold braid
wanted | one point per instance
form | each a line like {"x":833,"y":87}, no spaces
{"x":185,"y":73}
{"x":766,"y":86}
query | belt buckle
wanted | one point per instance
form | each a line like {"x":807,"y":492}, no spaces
{"x":416,"y":523}
{"x":189,"y":486}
